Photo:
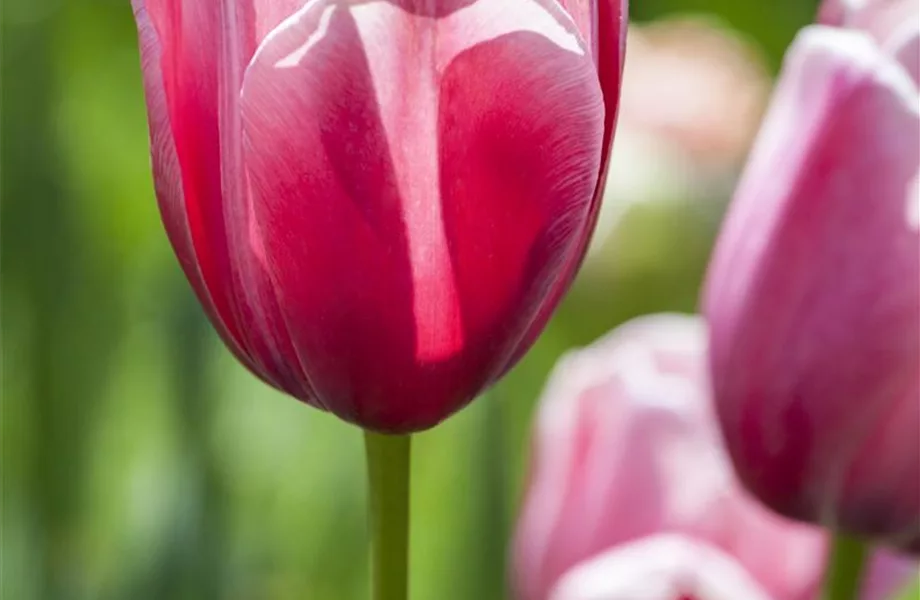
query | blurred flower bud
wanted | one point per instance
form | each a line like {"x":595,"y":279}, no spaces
{"x":631,"y":494}
{"x":813,"y":292}
{"x":686,"y":150}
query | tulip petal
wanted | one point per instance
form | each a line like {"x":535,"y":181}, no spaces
{"x":786,"y":557}
{"x":660,"y":567}
{"x":888,"y":573}
{"x":620,"y":424}
{"x":879,"y":18}
{"x":167,"y":174}
{"x":194,"y":75}
{"x":612,"y":22}
{"x":584,"y":15}
{"x":818,"y":258}
{"x":894,"y":24}
{"x":188,"y":71}
{"x":167,"y":177}
{"x":414,"y":206}
{"x":905,"y":46}
{"x":269,"y":14}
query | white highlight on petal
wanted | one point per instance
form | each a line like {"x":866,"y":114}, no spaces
{"x":293,"y":59}
{"x":407,"y":55}
{"x":660,"y":567}
{"x":272,"y":36}
{"x":617,"y":355}
{"x":673,"y":402}
{"x":913,"y":204}
{"x":400,"y":49}
{"x":473,"y":24}
{"x":904,"y":45}
{"x":480,"y":22}
{"x":854,"y":5}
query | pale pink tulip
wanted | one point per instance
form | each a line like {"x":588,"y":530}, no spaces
{"x":813,"y":293}
{"x":631,"y":492}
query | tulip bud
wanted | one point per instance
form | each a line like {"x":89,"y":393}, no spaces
{"x":813,"y":292}
{"x":380,"y":203}
{"x":626,"y":450}
{"x":681,"y":153}
{"x":631,"y":494}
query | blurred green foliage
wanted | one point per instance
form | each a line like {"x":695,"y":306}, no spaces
{"x":139,"y":460}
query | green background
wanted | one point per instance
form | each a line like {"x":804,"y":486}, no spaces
{"x":138,"y":460}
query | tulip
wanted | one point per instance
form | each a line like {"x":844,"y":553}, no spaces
{"x":679,"y":153}
{"x":380,"y":203}
{"x":631,"y":494}
{"x":813,"y":292}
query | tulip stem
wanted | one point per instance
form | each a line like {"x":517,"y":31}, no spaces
{"x":388,"y":504}
{"x":844,"y":569}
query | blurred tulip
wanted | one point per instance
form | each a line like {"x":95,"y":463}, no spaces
{"x":719,"y":77}
{"x":813,"y":293}
{"x":887,"y":576}
{"x":676,"y":567}
{"x":687,"y":151}
{"x":380,"y":203}
{"x":891,"y":23}
{"x":631,"y":494}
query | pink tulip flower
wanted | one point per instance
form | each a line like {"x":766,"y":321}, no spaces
{"x":380,"y":203}
{"x":631,"y":494}
{"x":813,"y":292}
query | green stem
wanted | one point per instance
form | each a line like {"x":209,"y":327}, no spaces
{"x":844,"y":569}
{"x":388,"y":490}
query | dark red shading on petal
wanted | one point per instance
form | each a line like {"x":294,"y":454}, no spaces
{"x":206,"y":212}
{"x":328,"y":208}
{"x":519,"y":150}
{"x":167,"y":173}
{"x":612,"y":20}
{"x":189,"y":71}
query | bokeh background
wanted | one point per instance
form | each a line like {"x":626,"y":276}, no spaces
{"x":140,"y":461}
